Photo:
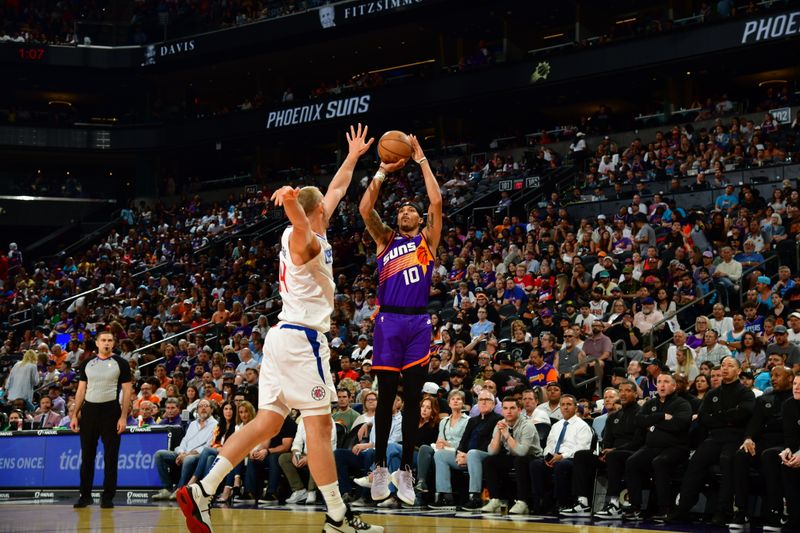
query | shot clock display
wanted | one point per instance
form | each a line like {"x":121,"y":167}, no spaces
{"x":31,"y":54}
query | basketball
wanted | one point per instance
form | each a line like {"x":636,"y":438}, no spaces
{"x":393,"y":146}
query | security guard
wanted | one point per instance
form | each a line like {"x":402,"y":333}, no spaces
{"x":621,"y":438}
{"x":665,"y":420}
{"x":724,"y":412}
{"x":97,"y":406}
{"x":762,"y":444}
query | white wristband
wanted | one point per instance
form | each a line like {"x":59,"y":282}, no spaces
{"x":380,"y":176}
{"x":421,"y":160}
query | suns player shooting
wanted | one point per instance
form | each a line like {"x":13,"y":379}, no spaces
{"x":295,"y":369}
{"x":402,"y":326}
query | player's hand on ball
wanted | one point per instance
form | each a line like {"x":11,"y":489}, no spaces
{"x":417,"y":153}
{"x":285,"y":193}
{"x":357,"y":140}
{"x":388,"y":168}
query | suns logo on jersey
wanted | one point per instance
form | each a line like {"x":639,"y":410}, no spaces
{"x":423,"y":257}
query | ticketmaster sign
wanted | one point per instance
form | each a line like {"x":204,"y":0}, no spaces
{"x":53,"y":461}
{"x":316,"y":112}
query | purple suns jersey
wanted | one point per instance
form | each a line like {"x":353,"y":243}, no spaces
{"x":405,"y":268}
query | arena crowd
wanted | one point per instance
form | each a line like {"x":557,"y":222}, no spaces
{"x":657,"y":342}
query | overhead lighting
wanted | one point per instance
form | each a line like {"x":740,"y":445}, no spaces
{"x":59,"y":102}
{"x":772,"y":82}
{"x":625,"y":21}
{"x":553,"y":36}
{"x":402,"y":66}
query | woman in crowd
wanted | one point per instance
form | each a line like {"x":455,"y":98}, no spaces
{"x":697,"y":339}
{"x":486,"y":373}
{"x":224,"y":429}
{"x":700,"y":386}
{"x":665,"y":303}
{"x":233,"y":481}
{"x":23,"y":379}
{"x":520,"y":347}
{"x":751,"y":355}
{"x":448,"y":342}
{"x":768,"y":335}
{"x":191,"y":398}
{"x":436,"y":327}
{"x":171,"y":391}
{"x":635,"y":375}
{"x":686,"y":365}
{"x":615,"y":312}
{"x":451,"y":429}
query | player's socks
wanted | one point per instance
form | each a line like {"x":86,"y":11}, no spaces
{"x":219,"y":470}
{"x":333,"y":499}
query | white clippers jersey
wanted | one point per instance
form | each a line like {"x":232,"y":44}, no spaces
{"x":307,"y":290}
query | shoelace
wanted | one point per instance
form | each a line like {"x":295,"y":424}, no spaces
{"x":410,"y":476}
{"x":355,"y":521}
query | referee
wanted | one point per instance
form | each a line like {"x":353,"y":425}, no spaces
{"x":97,"y":406}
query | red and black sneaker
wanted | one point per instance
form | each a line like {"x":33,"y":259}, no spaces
{"x":195,"y":505}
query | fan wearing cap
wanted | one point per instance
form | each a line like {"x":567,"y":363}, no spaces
{"x":362,"y":349}
{"x":405,"y":263}
{"x":506,"y":378}
{"x":764,"y":291}
{"x":783,"y":347}
{"x":648,"y":317}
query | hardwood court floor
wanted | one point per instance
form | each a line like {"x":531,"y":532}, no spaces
{"x":59,"y":517}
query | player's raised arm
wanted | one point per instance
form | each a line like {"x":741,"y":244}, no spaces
{"x":302,"y":244}
{"x":358,"y":146}
{"x":433,"y":225}
{"x":379,"y":231}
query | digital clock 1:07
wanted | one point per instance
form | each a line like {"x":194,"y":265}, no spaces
{"x":31,"y":54}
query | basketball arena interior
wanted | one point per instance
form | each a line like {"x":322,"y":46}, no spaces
{"x":605,"y":257}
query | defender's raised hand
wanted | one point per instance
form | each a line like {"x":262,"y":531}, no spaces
{"x":356,"y":139}
{"x":285,"y":193}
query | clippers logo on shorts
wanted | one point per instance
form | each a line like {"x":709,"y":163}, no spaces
{"x":318,"y":393}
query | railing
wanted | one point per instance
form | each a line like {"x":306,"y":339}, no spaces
{"x":614,"y":356}
{"x":689,"y":328}
{"x":115,"y":217}
{"x":752,"y":269}
{"x":648,"y":337}
{"x":493,"y":209}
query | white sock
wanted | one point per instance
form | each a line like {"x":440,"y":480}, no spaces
{"x":583,"y":500}
{"x":219,"y":470}
{"x":614,"y":501}
{"x":333,"y":499}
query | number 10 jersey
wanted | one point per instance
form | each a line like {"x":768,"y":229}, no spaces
{"x":405,"y":268}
